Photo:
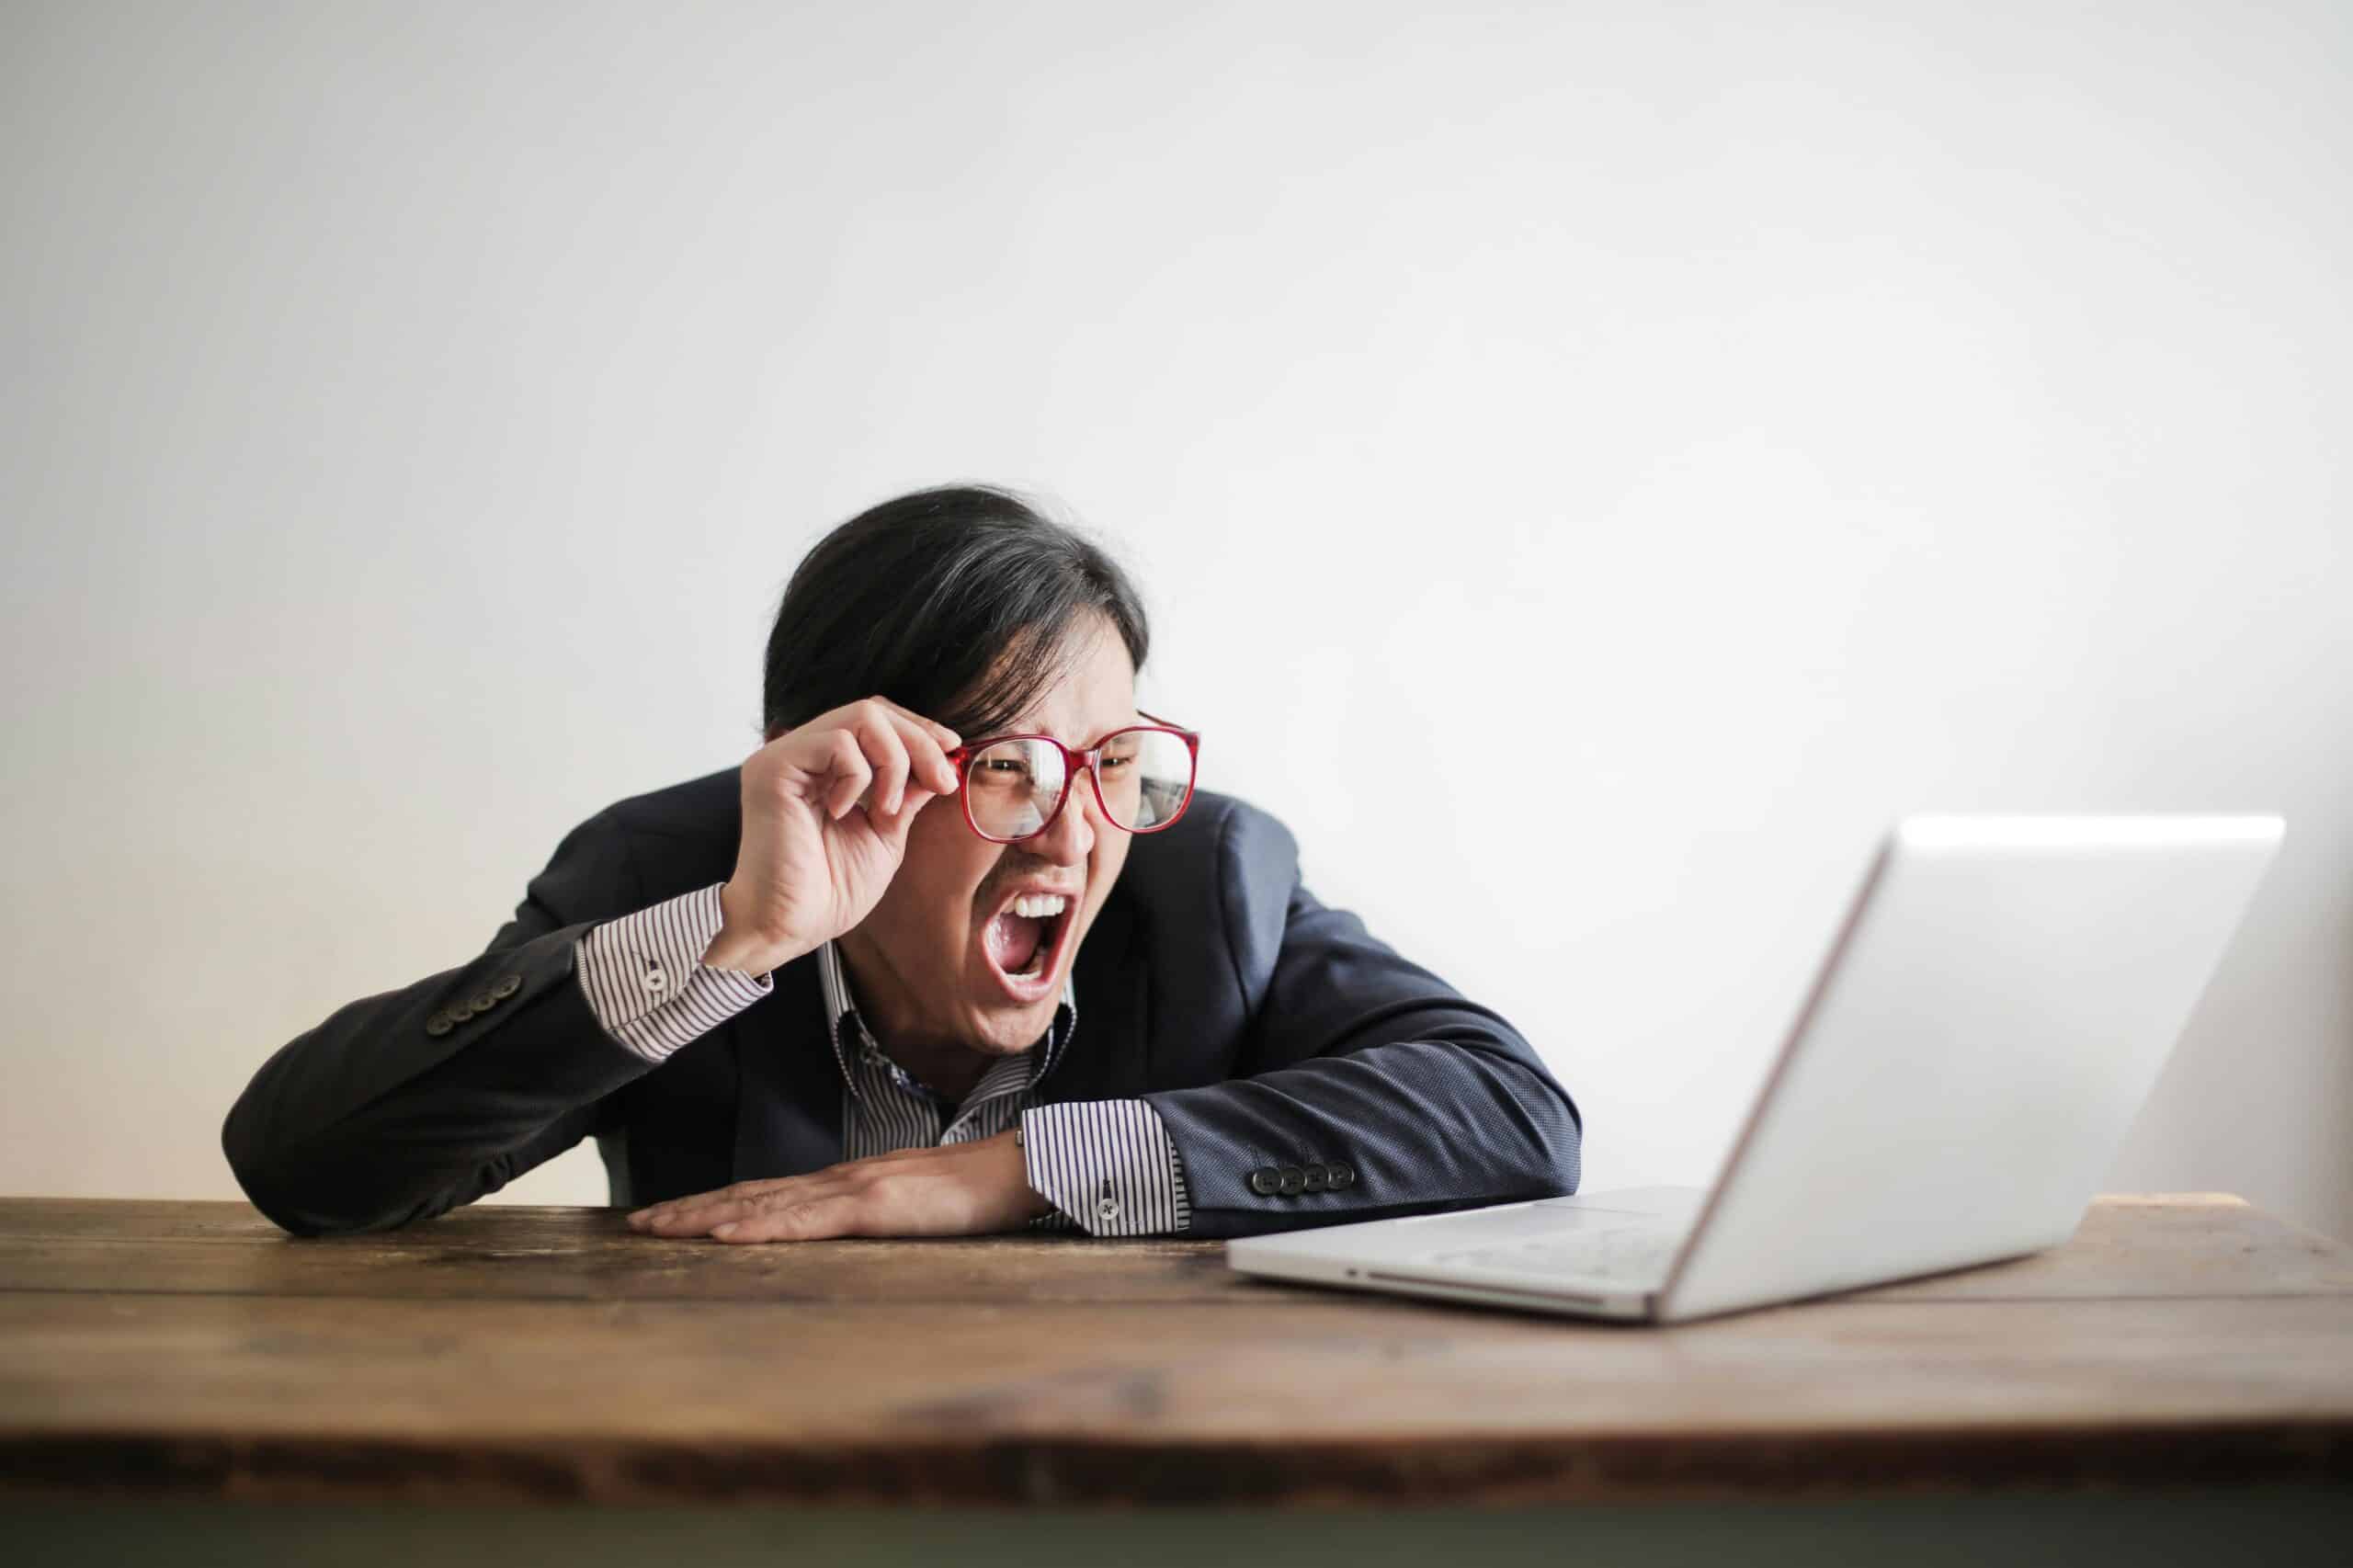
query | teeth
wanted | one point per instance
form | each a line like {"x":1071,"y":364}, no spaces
{"x":1038,"y":906}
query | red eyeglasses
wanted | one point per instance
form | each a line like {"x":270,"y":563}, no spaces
{"x":1015,"y":787}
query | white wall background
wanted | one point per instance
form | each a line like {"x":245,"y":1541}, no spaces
{"x":1714,"y":428}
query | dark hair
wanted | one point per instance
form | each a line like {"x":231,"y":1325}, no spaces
{"x":958,"y":602}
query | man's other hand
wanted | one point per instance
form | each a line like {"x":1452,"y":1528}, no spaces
{"x":957,"y":1190}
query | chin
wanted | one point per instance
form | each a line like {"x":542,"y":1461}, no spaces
{"x":1004,"y":1029}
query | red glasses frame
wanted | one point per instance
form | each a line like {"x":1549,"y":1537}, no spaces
{"x":1076,"y":762}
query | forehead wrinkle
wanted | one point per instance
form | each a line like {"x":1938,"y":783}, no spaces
{"x":1038,"y":727}
{"x":1108,"y":732}
{"x":1069,"y":679}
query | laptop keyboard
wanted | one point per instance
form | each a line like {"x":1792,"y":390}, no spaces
{"x":1628,"y":1252}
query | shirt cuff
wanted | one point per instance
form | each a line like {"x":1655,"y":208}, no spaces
{"x":1108,"y":1165}
{"x":646,"y":982}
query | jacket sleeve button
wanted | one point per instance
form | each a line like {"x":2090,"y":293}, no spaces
{"x":1317,"y":1176}
{"x":1265,"y":1182}
{"x":507,"y":985}
{"x":438,"y":1025}
{"x":1342,"y":1178}
{"x":1294,"y":1180}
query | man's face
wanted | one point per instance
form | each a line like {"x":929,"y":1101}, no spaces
{"x":923,"y":960}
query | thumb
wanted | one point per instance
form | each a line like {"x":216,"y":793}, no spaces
{"x":891,"y":826}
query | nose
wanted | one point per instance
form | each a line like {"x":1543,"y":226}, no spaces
{"x":1071,"y":838}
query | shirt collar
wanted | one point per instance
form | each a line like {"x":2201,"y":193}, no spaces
{"x":834,"y":980}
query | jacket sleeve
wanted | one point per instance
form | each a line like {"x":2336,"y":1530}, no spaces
{"x":402,"y":1106}
{"x":1362,"y":1075}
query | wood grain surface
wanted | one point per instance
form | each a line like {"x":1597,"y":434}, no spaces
{"x":505,"y":1353}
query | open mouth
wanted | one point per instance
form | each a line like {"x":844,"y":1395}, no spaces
{"x":1024,"y":943}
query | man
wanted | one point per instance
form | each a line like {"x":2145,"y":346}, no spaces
{"x":957,"y":949}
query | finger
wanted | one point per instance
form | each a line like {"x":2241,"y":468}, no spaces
{"x":928,"y":768}
{"x":891,"y":827}
{"x":927,"y":759}
{"x":688,"y":1215}
{"x":752,"y":1195}
{"x":705,"y":1218}
{"x":846,"y":715}
{"x":673,"y":1208}
{"x":878,"y":736}
{"x":850,"y":773}
{"x":927,"y":744}
{"x":941,"y":734}
{"x":699,"y":1220}
{"x":809,"y":1219}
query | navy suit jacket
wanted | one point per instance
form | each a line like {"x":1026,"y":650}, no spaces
{"x":1266,"y":1030}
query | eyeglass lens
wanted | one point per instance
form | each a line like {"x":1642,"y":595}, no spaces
{"x":1013,"y":785}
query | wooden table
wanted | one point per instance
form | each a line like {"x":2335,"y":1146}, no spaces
{"x":185,"y":1354}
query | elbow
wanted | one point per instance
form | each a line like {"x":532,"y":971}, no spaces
{"x":298,"y":1211}
{"x":1564,"y":1149}
{"x":1552,"y":1129}
{"x":290,"y":1194}
{"x":256,"y":1163}
{"x":245,"y":1145}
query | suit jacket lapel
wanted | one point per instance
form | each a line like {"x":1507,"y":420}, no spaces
{"x":789,"y":1112}
{"x":1107,"y":1057}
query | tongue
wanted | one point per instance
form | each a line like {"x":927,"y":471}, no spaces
{"x":1013,"y":941}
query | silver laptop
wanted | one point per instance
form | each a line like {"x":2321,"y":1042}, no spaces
{"x":1990,"y":1016}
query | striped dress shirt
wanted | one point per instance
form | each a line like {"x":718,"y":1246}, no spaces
{"x":1108,"y":1166}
